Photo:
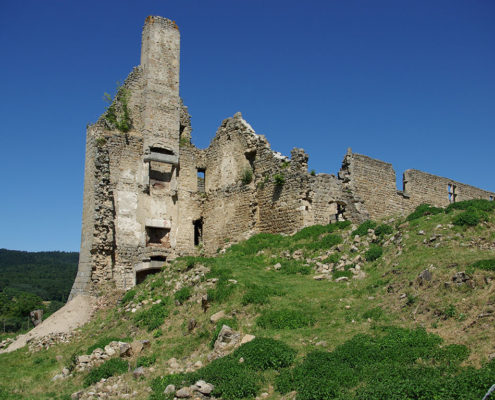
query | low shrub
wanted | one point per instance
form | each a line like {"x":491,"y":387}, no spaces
{"x":112,"y":367}
{"x":247,"y":176}
{"x":384,"y":229}
{"x":400,"y":364}
{"x":340,"y":274}
{"x":423,"y":210}
{"x":151,"y":318}
{"x":230,"y":322}
{"x":487,"y":265}
{"x":332,"y":259}
{"x":278,"y":179}
{"x":284,"y":319}
{"x":479,"y":204}
{"x":101,"y":343}
{"x":373,"y":253}
{"x":265,"y":353}
{"x":182,"y":294}
{"x":232,"y":380}
{"x":128,"y":296}
{"x":145,"y":361}
{"x":362,"y":230}
{"x":471,"y":217}
{"x":292,"y":267}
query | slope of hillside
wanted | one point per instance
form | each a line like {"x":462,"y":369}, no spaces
{"x":401,"y":309}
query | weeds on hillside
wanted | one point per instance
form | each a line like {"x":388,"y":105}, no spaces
{"x":401,"y":364}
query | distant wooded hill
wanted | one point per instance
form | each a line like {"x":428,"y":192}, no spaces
{"x":47,"y":274}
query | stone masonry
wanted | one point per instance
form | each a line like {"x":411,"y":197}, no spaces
{"x":150,"y":195}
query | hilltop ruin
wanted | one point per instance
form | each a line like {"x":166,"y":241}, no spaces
{"x":150,"y":195}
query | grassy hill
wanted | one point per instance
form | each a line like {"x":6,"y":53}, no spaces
{"x":395,"y":309}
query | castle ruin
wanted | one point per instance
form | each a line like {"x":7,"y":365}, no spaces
{"x":150,"y":195}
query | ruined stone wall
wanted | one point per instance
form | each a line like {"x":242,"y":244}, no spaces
{"x":83,"y":277}
{"x":374,"y":182}
{"x":422,"y":187}
{"x":329,"y":202}
{"x":143,"y":202}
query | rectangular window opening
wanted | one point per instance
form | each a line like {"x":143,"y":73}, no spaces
{"x":201,"y":180}
{"x":491,"y":198}
{"x":198,"y":231}
{"x":157,"y":237}
{"x":160,"y":175}
{"x":451,"y":192}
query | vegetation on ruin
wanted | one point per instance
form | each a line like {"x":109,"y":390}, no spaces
{"x":117,"y":112}
{"x":389,"y":332}
{"x":247,"y":176}
{"x":279,"y":179}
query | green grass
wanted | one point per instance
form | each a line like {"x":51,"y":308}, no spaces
{"x":112,"y":367}
{"x":398,"y":364}
{"x":289,"y":313}
{"x":362,"y":230}
{"x":284,"y":319}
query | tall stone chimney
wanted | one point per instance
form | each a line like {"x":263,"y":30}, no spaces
{"x":160,"y":56}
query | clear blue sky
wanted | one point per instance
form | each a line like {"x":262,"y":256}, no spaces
{"x":408,"y":82}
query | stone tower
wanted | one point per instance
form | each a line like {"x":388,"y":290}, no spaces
{"x":130,"y":187}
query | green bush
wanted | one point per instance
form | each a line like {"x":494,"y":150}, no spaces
{"x":373,"y":253}
{"x":340,"y":274}
{"x":151,"y":318}
{"x":292,"y":267}
{"x":422,"y":210}
{"x":399,"y":364}
{"x":487,"y":265}
{"x":232,"y":380}
{"x":313,"y":232}
{"x":471,"y":217}
{"x":112,"y":367}
{"x":332,"y":258}
{"x":128,"y":296}
{"x":146,"y":361}
{"x":247,"y":176}
{"x":279,"y":179}
{"x":259,"y":242}
{"x":362,"y":230}
{"x":479,"y":204}
{"x":383,"y":229}
{"x":182,"y":294}
{"x":101,"y":343}
{"x":265,"y":353}
{"x":284,"y":319}
{"x":230,"y":322}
